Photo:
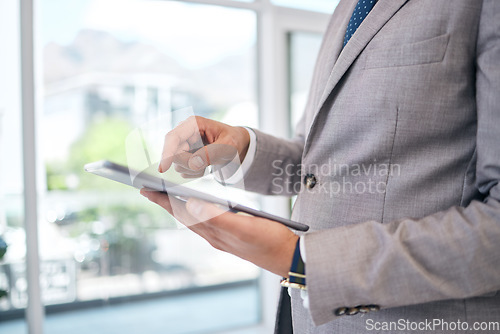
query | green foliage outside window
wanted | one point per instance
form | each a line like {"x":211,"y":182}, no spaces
{"x":104,"y":139}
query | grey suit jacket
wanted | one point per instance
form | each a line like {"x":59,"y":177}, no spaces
{"x":402,"y":135}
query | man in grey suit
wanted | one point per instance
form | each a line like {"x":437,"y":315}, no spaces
{"x":397,"y":168}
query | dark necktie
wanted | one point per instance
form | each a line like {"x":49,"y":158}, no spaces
{"x":360,"y":12}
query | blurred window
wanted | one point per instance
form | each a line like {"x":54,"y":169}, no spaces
{"x":13,"y":265}
{"x":106,"y":72}
{"x":324,"y":6}
{"x":105,"y":68}
{"x":104,"y":77}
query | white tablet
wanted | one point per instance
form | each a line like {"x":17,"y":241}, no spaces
{"x":141,"y":180}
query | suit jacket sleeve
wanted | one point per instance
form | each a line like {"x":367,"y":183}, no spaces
{"x":277,"y":163}
{"x":451,"y":254}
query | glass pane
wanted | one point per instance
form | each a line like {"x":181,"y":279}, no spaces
{"x":13,"y":264}
{"x":303,"y":48}
{"x":325,"y":6}
{"x":109,"y":67}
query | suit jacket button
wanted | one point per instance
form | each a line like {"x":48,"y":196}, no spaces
{"x":340,"y":311}
{"x":352,"y":311}
{"x":310,"y":181}
{"x":373,"y":308}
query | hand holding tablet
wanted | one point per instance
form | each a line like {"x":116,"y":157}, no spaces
{"x":141,"y":180}
{"x":191,"y":147}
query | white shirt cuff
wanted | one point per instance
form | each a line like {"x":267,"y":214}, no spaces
{"x":302,"y":247}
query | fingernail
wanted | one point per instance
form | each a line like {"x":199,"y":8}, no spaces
{"x":197,"y":162}
{"x":159,"y":168}
{"x":194,"y":207}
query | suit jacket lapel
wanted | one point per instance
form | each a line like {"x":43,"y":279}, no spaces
{"x":332,"y":46}
{"x":381,"y":13}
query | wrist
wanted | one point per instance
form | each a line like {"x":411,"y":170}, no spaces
{"x":243,"y":142}
{"x":281,"y":261}
{"x":290,"y":255}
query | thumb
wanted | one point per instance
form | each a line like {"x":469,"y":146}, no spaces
{"x":212,"y":154}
